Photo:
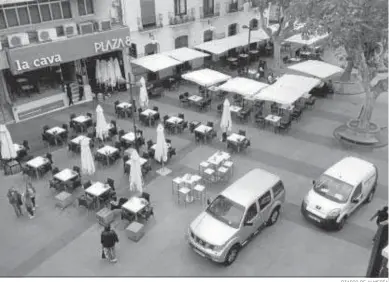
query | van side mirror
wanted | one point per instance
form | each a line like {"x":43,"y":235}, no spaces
{"x":355,"y":201}
{"x":248,"y":223}
{"x":313,"y":182}
{"x":209,"y":201}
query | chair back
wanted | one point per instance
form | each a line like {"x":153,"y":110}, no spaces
{"x":45,"y":128}
{"x":72,"y":116}
{"x":242,"y":132}
{"x":65,"y":126}
{"x":122,"y":201}
{"x":181,"y":97}
{"x":55,"y":170}
{"x":145,"y":155}
{"x":181,"y":116}
{"x":49,"y":157}
{"x":155,"y":108}
{"x":169,"y":141}
{"x":25,"y":144}
{"x":77,"y":169}
{"x":87,"y":184}
{"x":150,"y":143}
{"x":111,"y":183}
{"x":116,"y":103}
{"x":210,"y":123}
{"x":125,"y":158}
{"x":113,"y":122}
{"x":89,"y":115}
{"x":145,"y":196}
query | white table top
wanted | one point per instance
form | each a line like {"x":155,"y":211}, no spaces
{"x":231,"y":59}
{"x":254,"y":51}
{"x":213,"y":88}
{"x":243,"y":55}
{"x":203,"y":128}
{"x":155,"y":146}
{"x":79,"y":138}
{"x":218,"y":157}
{"x":148,"y":112}
{"x":107,"y":150}
{"x":124,"y":105}
{"x":135,"y":205}
{"x":56,"y":130}
{"x":235,"y":109}
{"x":130,"y":136}
{"x":287,"y":107}
{"x":174,"y":120}
{"x":190,"y":178}
{"x":18,"y":147}
{"x":236,"y":138}
{"x":273,"y":118}
{"x":252,"y":71}
{"x":37,"y":162}
{"x":294,"y":59}
{"x":142,"y":161}
{"x":97,"y":189}
{"x":65,"y":175}
{"x":195,"y":98}
{"x":81,"y":119}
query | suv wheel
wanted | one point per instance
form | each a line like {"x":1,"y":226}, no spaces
{"x":232,"y":255}
{"x":274,"y":216}
{"x":340,"y":225}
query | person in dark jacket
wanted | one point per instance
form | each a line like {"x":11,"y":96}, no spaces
{"x":69,"y":94}
{"x":109,"y":238}
{"x":15,"y":199}
{"x":381,"y":216}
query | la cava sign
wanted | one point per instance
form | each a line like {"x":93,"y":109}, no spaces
{"x":38,"y":63}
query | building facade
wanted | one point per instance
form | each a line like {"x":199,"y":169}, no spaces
{"x":162,"y":25}
{"x":47,"y":46}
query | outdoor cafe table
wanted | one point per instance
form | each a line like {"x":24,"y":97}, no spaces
{"x":190,"y":181}
{"x":65,"y":176}
{"x":20,"y":150}
{"x":96,"y":190}
{"x":124,"y":106}
{"x":129,"y":137}
{"x":107,"y":151}
{"x":273,"y":120}
{"x":244,"y":56}
{"x":56,"y":132}
{"x":134,"y":206}
{"x":169,"y":147}
{"x":148,"y":115}
{"x":195,"y":98}
{"x":175,"y":121}
{"x":78,"y":139}
{"x":36,"y":163}
{"x":285,"y":108}
{"x":235,"y":109}
{"x":204,"y":130}
{"x":232,"y":59}
{"x":218,"y":158}
{"x":82,"y":122}
{"x":236,"y":140}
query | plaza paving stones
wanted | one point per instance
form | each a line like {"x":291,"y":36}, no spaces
{"x":67,"y":243}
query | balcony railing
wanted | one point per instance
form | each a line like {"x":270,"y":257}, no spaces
{"x":182,"y":19}
{"x":157,"y":24}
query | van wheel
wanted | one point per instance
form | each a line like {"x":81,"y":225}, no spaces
{"x":274,"y":216}
{"x":232,"y":255}
{"x":370,"y":196}
{"x":340,"y":225}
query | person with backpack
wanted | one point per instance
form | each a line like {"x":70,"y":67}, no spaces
{"x":109,"y":238}
{"x":380,"y":216}
{"x":15,"y":199}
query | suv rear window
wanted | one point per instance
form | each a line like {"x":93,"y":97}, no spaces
{"x":278,"y":189}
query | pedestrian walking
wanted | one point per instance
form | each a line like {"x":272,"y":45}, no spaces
{"x":380,"y":216}
{"x":69,"y":94}
{"x":109,"y":238}
{"x":30,"y":189}
{"x":28,"y":203}
{"x":15,"y":199}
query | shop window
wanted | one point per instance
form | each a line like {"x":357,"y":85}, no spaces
{"x":148,"y":13}
{"x":133,"y":50}
{"x":208,"y":7}
{"x":180,"y":7}
{"x":232,"y":29}
{"x":85,"y":7}
{"x":151,"y":49}
{"x":34,"y":12}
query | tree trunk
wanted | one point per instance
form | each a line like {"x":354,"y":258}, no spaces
{"x":368,"y":105}
{"x":277,"y":54}
{"x":347,"y":73}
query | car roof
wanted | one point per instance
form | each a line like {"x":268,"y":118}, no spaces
{"x":351,"y":170}
{"x":250,"y":187}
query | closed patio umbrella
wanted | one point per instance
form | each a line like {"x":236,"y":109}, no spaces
{"x":118,"y":71}
{"x":8,"y":150}
{"x":226,"y":122}
{"x":111,"y":73}
{"x":136,"y":180}
{"x":87,"y":162}
{"x":143,"y":97}
{"x":161,"y":150}
{"x":101,"y":124}
{"x":104,"y":72}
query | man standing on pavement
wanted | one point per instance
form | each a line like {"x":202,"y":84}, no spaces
{"x":15,"y":199}
{"x":108,"y":240}
{"x":381,"y":216}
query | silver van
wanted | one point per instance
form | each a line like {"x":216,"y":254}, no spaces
{"x":236,"y":215}
{"x":339,"y":192}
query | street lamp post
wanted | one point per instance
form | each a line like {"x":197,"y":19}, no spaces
{"x":248,"y":47}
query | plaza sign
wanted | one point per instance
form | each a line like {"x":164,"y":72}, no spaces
{"x":53,"y":53}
